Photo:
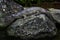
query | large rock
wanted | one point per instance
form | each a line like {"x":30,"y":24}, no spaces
{"x":33,"y":24}
{"x":7,"y":9}
{"x":55,"y":14}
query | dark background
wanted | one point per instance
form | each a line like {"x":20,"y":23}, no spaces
{"x":40,"y":3}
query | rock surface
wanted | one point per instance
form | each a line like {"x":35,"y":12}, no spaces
{"x":32,"y":22}
{"x":36,"y":25}
{"x":7,"y":9}
{"x":55,"y":14}
{"x":30,"y":11}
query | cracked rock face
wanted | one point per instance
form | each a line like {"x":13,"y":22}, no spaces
{"x":55,"y":14}
{"x":35,"y":26}
{"x":7,"y":9}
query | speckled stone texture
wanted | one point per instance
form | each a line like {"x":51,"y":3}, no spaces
{"x":7,"y":9}
{"x":55,"y":14}
{"x":33,"y":24}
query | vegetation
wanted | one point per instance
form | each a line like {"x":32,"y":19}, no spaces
{"x":30,"y":2}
